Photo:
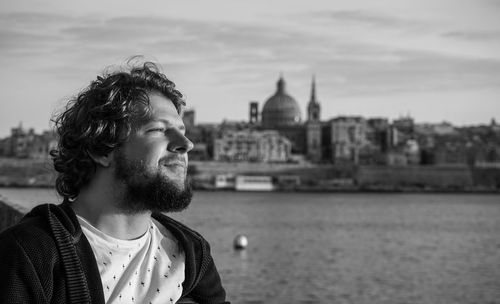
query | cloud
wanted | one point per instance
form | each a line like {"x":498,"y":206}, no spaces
{"x":13,"y":41}
{"x":33,"y":20}
{"x":244,"y":55}
{"x":35,"y":37}
{"x":242,"y":46}
{"x":474,"y":35}
{"x":364,"y":17}
{"x":413,"y":71}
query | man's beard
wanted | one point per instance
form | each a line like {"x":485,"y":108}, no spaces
{"x":146,"y":191}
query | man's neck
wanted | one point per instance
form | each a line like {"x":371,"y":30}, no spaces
{"x":100,"y":207}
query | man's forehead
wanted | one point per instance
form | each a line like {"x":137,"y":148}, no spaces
{"x":160,"y":109}
{"x":159,"y":102}
{"x":157,"y":107}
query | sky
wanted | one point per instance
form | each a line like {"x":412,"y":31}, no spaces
{"x":435,"y":60}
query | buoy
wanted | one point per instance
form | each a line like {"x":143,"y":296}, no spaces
{"x":240,"y":242}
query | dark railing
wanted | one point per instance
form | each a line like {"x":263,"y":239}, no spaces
{"x":10,"y":214}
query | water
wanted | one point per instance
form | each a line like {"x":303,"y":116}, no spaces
{"x":347,"y":248}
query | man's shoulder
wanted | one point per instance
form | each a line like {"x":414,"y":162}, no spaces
{"x":32,"y":234}
{"x":29,"y":259}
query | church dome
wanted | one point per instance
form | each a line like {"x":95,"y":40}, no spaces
{"x":280,"y":109}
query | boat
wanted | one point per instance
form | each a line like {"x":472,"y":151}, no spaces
{"x":254,"y":183}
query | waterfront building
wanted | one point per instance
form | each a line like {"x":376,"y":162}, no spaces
{"x":188,"y":118}
{"x":443,"y":128}
{"x":254,"y":113}
{"x":200,"y":151}
{"x":24,"y":143}
{"x":378,"y":142}
{"x":396,"y":158}
{"x":452,"y":151}
{"x":348,"y":137}
{"x":412,"y":152}
{"x":202,"y":136}
{"x":4,"y":146}
{"x":494,"y":126}
{"x":405,"y":124}
{"x":339,"y":140}
{"x":21,"y":141}
{"x":280,"y":109}
{"x":403,"y":129}
{"x":378,"y":133}
{"x":282,"y":113}
{"x":354,"y":139}
{"x":253,"y":146}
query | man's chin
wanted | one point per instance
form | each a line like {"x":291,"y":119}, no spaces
{"x":176,"y":199}
{"x":162,"y":195}
{"x":175,"y":178}
{"x":165,"y":190}
{"x":180,"y":186}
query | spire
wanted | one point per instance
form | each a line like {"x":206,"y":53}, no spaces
{"x":281,"y":84}
{"x":313,"y":108}
{"x":313,"y":90}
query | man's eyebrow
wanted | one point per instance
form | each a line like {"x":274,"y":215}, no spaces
{"x":168,"y":123}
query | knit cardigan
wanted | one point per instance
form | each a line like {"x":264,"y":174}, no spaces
{"x":47,"y":259}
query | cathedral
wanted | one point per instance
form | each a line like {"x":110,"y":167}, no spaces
{"x":282,"y":113}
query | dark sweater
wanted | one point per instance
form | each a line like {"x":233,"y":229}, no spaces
{"x":47,"y":259}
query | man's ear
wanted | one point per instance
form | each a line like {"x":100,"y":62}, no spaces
{"x":103,"y":160}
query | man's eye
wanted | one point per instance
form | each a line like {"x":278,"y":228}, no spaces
{"x":157,"y":130}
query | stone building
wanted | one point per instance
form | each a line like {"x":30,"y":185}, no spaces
{"x":403,"y":129}
{"x":24,"y":143}
{"x":253,"y":146}
{"x":280,"y":110}
{"x":282,"y":113}
{"x":337,"y":140}
{"x":188,"y":118}
{"x":347,"y":138}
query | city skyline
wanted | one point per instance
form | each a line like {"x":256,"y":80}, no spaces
{"x":435,"y":61}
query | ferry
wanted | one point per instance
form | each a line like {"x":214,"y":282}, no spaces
{"x":225,"y":181}
{"x":254,"y":183}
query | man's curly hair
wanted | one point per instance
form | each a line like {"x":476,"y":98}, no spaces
{"x":100,"y":118}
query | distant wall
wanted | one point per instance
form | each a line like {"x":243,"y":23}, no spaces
{"x":26,"y":172}
{"x":416,"y":176}
{"x":10,"y":214}
{"x":213,"y":167}
{"x":486,"y":177}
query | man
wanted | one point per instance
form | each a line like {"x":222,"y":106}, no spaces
{"x":121,"y":161}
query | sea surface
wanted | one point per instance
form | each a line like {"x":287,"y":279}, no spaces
{"x":346,"y":248}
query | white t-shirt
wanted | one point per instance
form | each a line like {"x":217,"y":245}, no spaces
{"x":149,"y":269}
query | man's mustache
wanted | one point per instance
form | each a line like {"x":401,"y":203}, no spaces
{"x":173,"y":160}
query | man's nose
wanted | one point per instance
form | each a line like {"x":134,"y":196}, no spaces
{"x":179,"y":143}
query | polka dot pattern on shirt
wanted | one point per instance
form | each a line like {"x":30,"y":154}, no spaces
{"x":144,"y":270}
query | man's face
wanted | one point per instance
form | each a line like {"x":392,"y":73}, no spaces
{"x":153,"y":162}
